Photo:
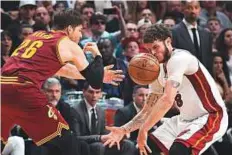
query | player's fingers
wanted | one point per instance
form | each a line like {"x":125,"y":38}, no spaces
{"x":109,"y":67}
{"x":118,"y":145}
{"x":118,"y":71}
{"x":109,"y":128}
{"x":107,"y":143}
{"x":120,"y":76}
{"x":114,"y":83}
{"x":117,"y":79}
{"x":112,"y":143}
{"x":148,"y":149}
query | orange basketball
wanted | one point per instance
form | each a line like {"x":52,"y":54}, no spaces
{"x":144,"y":68}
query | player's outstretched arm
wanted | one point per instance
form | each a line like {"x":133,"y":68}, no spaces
{"x":110,"y":76}
{"x":95,"y":73}
{"x":117,"y":133}
{"x":158,"y":111}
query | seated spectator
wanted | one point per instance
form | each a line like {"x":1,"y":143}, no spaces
{"x":26,"y":31}
{"x":142,"y":25}
{"x":128,"y":112}
{"x":14,"y":146}
{"x":224,"y":45}
{"x":169,"y":22}
{"x":90,"y":125}
{"x":60,"y":6}
{"x":214,"y":26}
{"x":106,"y":48}
{"x":131,"y":48}
{"x":174,"y":9}
{"x":131,"y":31}
{"x":147,"y":14}
{"x":220,"y":71}
{"x":209,"y":10}
{"x":98,"y":26}
{"x":52,"y":90}
{"x":42,"y":15}
{"x":228,"y":9}
{"x":27,"y":11}
{"x":87,"y":10}
{"x":6,"y":46}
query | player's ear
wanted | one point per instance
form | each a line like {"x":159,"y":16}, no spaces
{"x":70,"y":29}
{"x":168,"y":41}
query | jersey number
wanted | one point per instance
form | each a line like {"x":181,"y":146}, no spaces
{"x":178,"y":100}
{"x":30,"y":48}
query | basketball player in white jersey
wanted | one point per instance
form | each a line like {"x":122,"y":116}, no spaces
{"x":183,"y":82}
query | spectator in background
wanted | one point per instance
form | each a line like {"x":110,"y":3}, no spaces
{"x":60,"y":6}
{"x":147,"y":14}
{"x":79,"y":3}
{"x":224,"y":45}
{"x":98,"y":26}
{"x":131,"y":32}
{"x":6,"y":46}
{"x":27,"y":11}
{"x":125,"y":114}
{"x":14,"y":14}
{"x":228,"y":9}
{"x":87,"y":10}
{"x":43,"y":16}
{"x":220,"y":75}
{"x":135,"y":9}
{"x":26,"y":31}
{"x":48,"y":5}
{"x":131,"y":48}
{"x":169,"y":22}
{"x":106,"y":48}
{"x":52,"y":90}
{"x":209,"y":10}
{"x":90,"y":125}
{"x":189,"y":36}
{"x":142,"y":25}
{"x":214,"y":26}
{"x":174,"y":9}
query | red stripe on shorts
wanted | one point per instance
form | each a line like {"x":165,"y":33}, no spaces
{"x":205,"y":134}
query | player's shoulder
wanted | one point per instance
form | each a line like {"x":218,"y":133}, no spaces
{"x":181,"y":54}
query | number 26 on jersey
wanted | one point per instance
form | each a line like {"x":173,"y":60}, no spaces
{"x":30,"y":48}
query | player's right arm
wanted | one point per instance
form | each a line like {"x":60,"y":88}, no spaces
{"x":70,"y":52}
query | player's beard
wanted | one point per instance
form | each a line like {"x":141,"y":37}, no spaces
{"x":166,"y":53}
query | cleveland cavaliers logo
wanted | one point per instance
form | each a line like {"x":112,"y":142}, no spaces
{"x":51,"y":113}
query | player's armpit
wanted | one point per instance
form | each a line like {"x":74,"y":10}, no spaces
{"x":140,"y":118}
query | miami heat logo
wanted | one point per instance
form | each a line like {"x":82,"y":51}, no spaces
{"x":51,"y":113}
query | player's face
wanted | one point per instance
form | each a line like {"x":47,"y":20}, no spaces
{"x":75,"y":33}
{"x":159,"y":49}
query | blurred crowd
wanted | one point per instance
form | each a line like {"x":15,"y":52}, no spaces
{"x":117,"y":26}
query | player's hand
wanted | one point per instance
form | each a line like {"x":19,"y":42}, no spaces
{"x":92,"y":47}
{"x":112,"y":76}
{"x":116,"y":135}
{"x":142,"y":142}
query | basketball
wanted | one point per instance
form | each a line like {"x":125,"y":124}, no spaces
{"x":144,"y":68}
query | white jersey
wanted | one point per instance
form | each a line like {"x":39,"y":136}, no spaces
{"x":197,"y":94}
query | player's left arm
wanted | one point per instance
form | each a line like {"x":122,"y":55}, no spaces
{"x":162,"y":106}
